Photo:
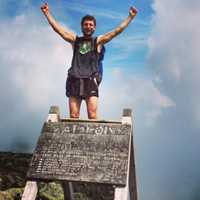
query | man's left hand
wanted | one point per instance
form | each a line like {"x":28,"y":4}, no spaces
{"x":133,"y":11}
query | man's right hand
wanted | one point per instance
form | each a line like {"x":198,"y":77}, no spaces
{"x":45,"y":8}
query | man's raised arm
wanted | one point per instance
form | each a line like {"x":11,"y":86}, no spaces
{"x":110,"y":35}
{"x":66,"y":35}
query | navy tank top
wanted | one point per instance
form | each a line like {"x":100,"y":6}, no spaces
{"x":85,"y":58}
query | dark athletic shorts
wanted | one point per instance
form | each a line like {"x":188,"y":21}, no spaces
{"x":81,"y":88}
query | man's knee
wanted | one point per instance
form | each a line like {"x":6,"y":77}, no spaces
{"x":92,"y":114}
{"x":74,"y":106}
{"x":92,"y":107}
{"x":74,"y":114}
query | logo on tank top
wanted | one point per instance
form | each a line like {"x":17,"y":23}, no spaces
{"x":85,"y":47}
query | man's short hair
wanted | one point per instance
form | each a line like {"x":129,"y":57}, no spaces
{"x":88,"y":17}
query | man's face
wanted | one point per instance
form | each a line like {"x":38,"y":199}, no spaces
{"x":88,"y":28}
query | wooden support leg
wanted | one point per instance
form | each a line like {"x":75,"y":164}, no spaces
{"x":130,"y":191}
{"x":121,"y":193}
{"x":132,"y":175}
{"x":68,"y":190}
{"x":30,"y":191}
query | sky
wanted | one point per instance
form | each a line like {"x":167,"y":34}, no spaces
{"x":152,"y":68}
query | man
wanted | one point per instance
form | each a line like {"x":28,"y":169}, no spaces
{"x":82,"y":81}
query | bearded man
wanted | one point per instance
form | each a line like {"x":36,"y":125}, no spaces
{"x":83,"y":76}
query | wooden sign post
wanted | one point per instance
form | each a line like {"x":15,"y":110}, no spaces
{"x":75,"y":151}
{"x":130,"y":191}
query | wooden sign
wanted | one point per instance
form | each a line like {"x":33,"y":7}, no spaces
{"x":82,"y":151}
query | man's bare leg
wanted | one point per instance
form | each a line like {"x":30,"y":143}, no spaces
{"x":92,"y":103}
{"x":74,"y":107}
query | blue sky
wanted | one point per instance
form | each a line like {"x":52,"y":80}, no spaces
{"x":152,"y":67}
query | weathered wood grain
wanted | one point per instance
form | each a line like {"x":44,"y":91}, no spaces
{"x":76,"y":151}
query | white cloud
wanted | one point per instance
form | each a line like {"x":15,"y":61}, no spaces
{"x":131,"y":43}
{"x":94,"y":10}
{"x":123,"y":90}
{"x":36,"y":58}
{"x":174,"y":46}
{"x":171,"y":150}
{"x":103,"y":12}
{"x":34,"y":63}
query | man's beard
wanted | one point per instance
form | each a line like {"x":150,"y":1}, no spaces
{"x":86,"y":34}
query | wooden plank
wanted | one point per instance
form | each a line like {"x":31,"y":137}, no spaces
{"x":88,"y":152}
{"x":30,"y":191}
{"x":68,"y":190}
{"x":89,"y":120}
{"x":54,"y":114}
{"x":132,"y":175}
{"x":130,"y":190}
{"x":123,"y":193}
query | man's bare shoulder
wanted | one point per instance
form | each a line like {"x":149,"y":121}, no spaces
{"x":100,"y":39}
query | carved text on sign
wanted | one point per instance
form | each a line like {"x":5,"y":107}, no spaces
{"x":91,"y":152}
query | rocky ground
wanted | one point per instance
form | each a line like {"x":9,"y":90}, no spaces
{"x":13,"y":168}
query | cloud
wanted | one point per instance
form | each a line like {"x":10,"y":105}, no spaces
{"x":35,"y":58}
{"x":171,"y":154}
{"x":137,"y":92}
{"x":82,"y":8}
{"x":128,"y":45}
{"x":34,"y":63}
{"x":174,"y":53}
{"x":102,"y":12}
